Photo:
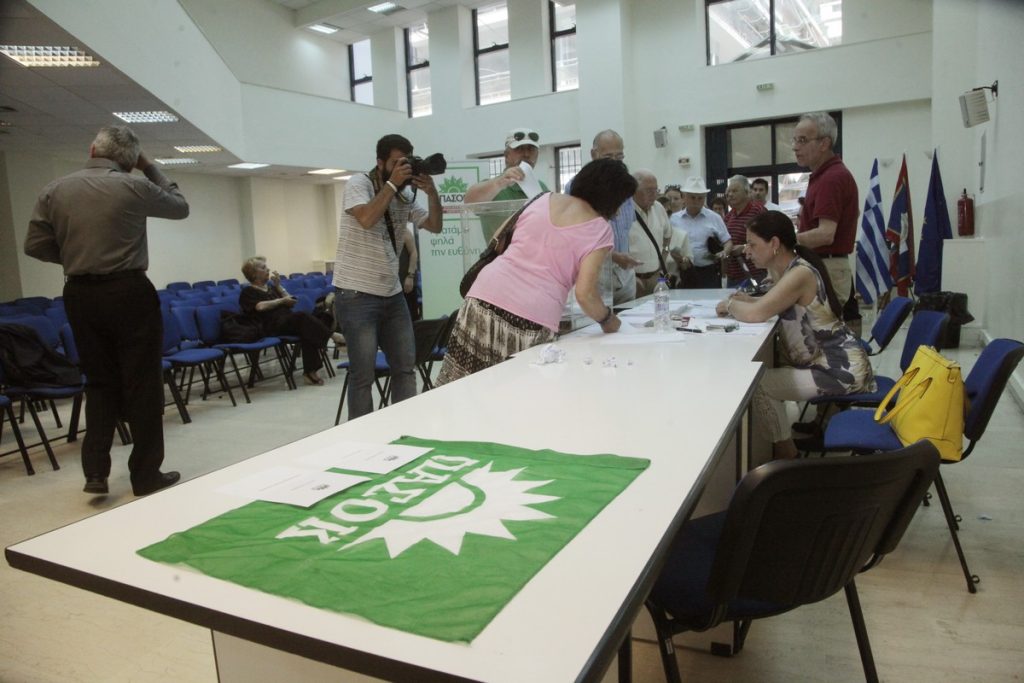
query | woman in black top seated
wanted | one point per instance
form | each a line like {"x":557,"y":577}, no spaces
{"x":268,"y":301}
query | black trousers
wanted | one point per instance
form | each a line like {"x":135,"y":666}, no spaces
{"x":119,"y":333}
{"x":312,"y":334}
{"x":701,"y":277}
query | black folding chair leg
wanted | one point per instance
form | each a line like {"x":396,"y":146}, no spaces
{"x":56,"y":416}
{"x":176,"y":397}
{"x":17,"y":437}
{"x":626,"y":659}
{"x":666,"y":647}
{"x":238,"y":375}
{"x":341,"y":401}
{"x":42,"y":436}
{"x":76,"y":411}
{"x":863,"y":644}
{"x":225,"y":385}
{"x":947,"y":508}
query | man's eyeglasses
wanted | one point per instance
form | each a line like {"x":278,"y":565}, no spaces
{"x":800,"y":141}
{"x":519,"y":136}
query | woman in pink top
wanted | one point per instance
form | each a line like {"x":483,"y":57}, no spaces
{"x":560,"y":241}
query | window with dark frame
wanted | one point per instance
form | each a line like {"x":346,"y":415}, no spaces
{"x":360,"y":72}
{"x":740,"y":30}
{"x":417,"y":70}
{"x":490,"y":54}
{"x":565,"y":73}
{"x":568,"y":162}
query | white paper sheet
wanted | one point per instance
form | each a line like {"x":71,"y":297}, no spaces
{"x":529,"y":184}
{"x":364,"y":457}
{"x":291,"y":485}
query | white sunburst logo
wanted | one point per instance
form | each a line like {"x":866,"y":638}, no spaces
{"x":479,"y":503}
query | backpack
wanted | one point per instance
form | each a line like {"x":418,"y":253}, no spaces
{"x":28,"y":362}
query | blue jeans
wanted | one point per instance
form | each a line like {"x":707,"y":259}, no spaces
{"x":369,"y":321}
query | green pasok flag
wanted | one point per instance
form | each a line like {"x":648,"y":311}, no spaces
{"x":437,"y":547}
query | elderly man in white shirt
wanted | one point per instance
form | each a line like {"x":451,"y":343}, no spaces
{"x":699,"y":223}
{"x":651,"y":237}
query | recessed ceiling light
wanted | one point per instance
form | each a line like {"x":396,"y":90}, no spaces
{"x":176,"y":161}
{"x":248,"y":165}
{"x":48,"y":55}
{"x":342,"y":177}
{"x":327,"y":171}
{"x":146,"y":116}
{"x":323,"y":28}
{"x":385,"y":8}
{"x":197,"y":149}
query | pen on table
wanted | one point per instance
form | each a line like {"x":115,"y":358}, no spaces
{"x":691,"y":331}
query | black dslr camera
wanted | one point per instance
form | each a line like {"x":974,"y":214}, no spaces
{"x":432,"y":165}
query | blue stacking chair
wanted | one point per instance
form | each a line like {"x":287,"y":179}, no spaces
{"x":305,"y":303}
{"x":202,"y":285}
{"x":207,"y":361}
{"x":208,"y":318}
{"x":230,"y":282}
{"x":178,"y":286}
{"x":887,"y":325}
{"x":857,"y":431}
{"x":226,"y":303}
{"x":796,"y":532}
{"x":6,"y":410}
{"x":926,"y":329}
{"x":381,"y":371}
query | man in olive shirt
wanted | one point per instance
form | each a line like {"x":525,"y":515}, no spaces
{"x":93,"y":222}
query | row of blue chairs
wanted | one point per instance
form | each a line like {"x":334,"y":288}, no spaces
{"x":201,"y":285}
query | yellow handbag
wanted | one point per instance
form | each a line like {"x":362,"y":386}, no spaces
{"x":930,"y":404}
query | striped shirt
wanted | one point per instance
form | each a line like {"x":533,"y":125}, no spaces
{"x":365,"y":260}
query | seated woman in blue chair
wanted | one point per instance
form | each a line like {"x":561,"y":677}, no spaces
{"x":268,"y":301}
{"x":819,"y":355}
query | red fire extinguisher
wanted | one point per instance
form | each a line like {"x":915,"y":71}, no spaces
{"x":965,"y":214}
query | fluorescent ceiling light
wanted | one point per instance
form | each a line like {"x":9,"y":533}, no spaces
{"x":47,"y":55}
{"x":342,"y":177}
{"x":146,"y":116}
{"x":197,"y":149}
{"x":176,"y":161}
{"x":327,"y":171}
{"x":248,"y":165}
{"x":323,"y":28}
{"x":385,"y":8}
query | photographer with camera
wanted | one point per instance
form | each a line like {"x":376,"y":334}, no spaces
{"x":368,"y":303}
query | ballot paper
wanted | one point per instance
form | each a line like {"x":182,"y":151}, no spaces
{"x":529,"y":184}
{"x":291,"y":485}
{"x":377,"y":458}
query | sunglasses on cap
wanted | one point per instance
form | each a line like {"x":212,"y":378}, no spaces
{"x":519,"y":136}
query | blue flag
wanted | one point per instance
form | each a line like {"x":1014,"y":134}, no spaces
{"x":873,"y":278}
{"x":936,"y":228}
{"x":900,"y":233}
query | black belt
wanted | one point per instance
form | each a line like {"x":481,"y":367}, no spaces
{"x":833,"y":255}
{"x":106,"y":277}
{"x":644,"y":276}
{"x":707,"y":267}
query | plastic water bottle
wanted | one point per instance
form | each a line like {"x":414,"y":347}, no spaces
{"x":662,"y":321}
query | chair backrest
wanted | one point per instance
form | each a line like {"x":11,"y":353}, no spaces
{"x":203,"y":284}
{"x":304,"y":303}
{"x":178,"y":286}
{"x":188,"y":329}
{"x":48,"y":332}
{"x":797,"y":531}
{"x":890,"y":319}
{"x":426,"y":333}
{"x":926,"y":329}
{"x":67,"y":339}
{"x":446,"y":333}
{"x":985,"y":383}
{"x":57,"y":315}
{"x":172,"y":332}
{"x":208,"y":320}
{"x":227,"y":303}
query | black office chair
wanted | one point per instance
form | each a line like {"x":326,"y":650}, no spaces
{"x":428,"y":335}
{"x":795,"y":533}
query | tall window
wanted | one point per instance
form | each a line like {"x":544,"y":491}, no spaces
{"x":360,"y":72}
{"x":417,"y":69}
{"x":751,"y":29}
{"x":565,"y":72}
{"x":490,"y":47}
{"x":568,"y":162}
{"x":496,"y":165}
{"x":761,"y":149}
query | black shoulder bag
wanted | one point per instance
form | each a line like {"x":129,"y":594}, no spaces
{"x":495,"y":248}
{"x":663,"y":271}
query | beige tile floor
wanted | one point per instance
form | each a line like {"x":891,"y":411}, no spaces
{"x":923,"y":624}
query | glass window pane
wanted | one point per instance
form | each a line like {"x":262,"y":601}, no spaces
{"x":492,"y":25}
{"x":494,"y":85}
{"x":784,"y":143}
{"x":750,"y":146}
{"x":738,"y":30}
{"x":361,"y":65}
{"x":419,"y":87}
{"x":496,"y":166}
{"x":565,"y":16}
{"x":807,"y":24}
{"x":363,"y":93}
{"x":570,"y":161}
{"x":791,"y":186}
{"x":419,"y":45}
{"x":567,"y":69}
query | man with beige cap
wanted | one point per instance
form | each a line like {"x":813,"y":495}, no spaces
{"x":700,"y":223}
{"x":521,"y":144}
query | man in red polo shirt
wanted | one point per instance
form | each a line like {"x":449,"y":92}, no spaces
{"x":828,"y":219}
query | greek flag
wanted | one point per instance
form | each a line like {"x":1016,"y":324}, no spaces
{"x":873,"y":278}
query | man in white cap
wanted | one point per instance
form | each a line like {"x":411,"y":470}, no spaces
{"x":521,"y":145}
{"x":701,"y":223}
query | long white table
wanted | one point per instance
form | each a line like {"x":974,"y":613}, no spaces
{"x":676,"y":404}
